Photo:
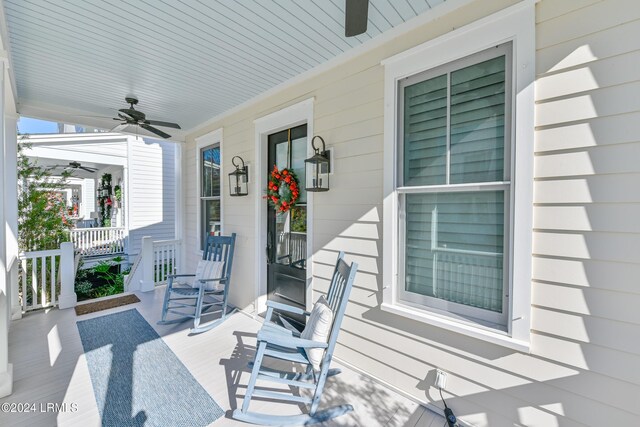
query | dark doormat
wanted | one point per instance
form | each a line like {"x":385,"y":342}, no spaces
{"x":106,"y":304}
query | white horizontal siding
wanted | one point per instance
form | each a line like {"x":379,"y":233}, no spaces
{"x":587,"y":241}
{"x":586,"y":237}
{"x":152,"y":187}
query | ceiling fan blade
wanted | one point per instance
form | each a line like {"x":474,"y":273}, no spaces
{"x":163,"y":124}
{"x":135,"y":114}
{"x":356,"y":17}
{"x":154,"y":130}
{"x":88,"y":169}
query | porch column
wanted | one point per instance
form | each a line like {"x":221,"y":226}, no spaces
{"x":6,"y":369}
{"x":68,"y":297}
{"x":11,"y":211}
{"x":147,"y":283}
{"x":180,"y":207}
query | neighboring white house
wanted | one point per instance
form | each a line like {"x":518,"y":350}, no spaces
{"x":144,"y":168}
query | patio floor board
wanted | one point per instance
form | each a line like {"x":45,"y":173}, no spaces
{"x":49,"y":367}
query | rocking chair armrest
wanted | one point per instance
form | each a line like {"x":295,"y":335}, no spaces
{"x":288,"y":341}
{"x":173,"y":276}
{"x":285,"y":307}
{"x":217,"y":279}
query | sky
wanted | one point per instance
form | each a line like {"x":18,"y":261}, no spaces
{"x":33,"y":126}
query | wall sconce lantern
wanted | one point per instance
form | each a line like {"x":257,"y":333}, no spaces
{"x":239,"y":179}
{"x":104,"y":191}
{"x":318,"y":168}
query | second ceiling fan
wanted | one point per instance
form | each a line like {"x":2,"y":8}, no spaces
{"x":131,"y":116}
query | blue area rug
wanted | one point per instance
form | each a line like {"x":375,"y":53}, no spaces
{"x":137,"y":379}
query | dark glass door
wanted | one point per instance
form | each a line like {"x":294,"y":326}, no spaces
{"x":287,"y":231}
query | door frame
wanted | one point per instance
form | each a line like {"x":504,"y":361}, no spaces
{"x":291,"y":116}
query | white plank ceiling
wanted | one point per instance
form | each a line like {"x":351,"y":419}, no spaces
{"x":186,"y":60}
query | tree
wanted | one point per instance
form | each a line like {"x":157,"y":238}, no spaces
{"x":43,"y":221}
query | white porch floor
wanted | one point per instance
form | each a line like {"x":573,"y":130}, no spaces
{"x":50,"y":367}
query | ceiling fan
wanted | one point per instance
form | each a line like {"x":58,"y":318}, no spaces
{"x":356,"y":17}
{"x":131,"y":116}
{"x":75,"y":165}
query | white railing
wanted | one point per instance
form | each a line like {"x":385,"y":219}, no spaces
{"x":46,"y":278}
{"x":98,"y":241}
{"x":38,"y":280}
{"x":154,"y":263}
{"x":165,"y":259}
{"x":468,"y":277}
{"x":292,"y":246}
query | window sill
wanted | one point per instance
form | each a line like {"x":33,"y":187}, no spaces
{"x":457,"y":326}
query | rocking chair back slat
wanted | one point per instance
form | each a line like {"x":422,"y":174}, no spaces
{"x":218,"y":248}
{"x":338,"y":282}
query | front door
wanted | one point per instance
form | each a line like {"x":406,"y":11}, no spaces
{"x":287,"y":231}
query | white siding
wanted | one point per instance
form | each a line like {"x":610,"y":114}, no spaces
{"x":151,"y":177}
{"x":88,"y":197}
{"x":583,"y":365}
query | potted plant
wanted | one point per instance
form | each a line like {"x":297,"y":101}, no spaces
{"x":117,"y":192}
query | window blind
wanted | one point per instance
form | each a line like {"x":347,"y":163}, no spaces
{"x":477,"y":122}
{"x":454,"y":133}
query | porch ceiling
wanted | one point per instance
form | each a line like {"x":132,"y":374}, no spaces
{"x":186,"y":60}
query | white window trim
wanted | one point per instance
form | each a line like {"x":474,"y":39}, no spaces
{"x":516,"y":24}
{"x":288,"y":117}
{"x":212,"y":138}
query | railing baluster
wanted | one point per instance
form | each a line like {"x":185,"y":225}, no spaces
{"x":176,"y":266}
{"x":158,"y":265}
{"x":34,"y":282}
{"x":53,"y":280}
{"x":172,"y":263}
{"x":24,"y":284}
{"x":155,"y":265}
{"x":165,"y":264}
{"x":43,"y":280}
{"x":163,"y":257}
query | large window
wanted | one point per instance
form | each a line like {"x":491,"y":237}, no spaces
{"x":209,"y":191}
{"x":454,"y":184}
{"x":458,"y":179}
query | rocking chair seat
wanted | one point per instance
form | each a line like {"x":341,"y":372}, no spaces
{"x":187,"y":290}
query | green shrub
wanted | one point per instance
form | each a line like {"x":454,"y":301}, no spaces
{"x":110,"y":283}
